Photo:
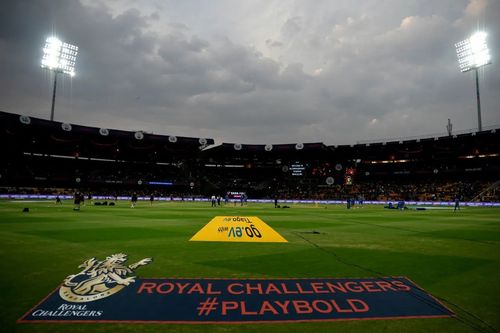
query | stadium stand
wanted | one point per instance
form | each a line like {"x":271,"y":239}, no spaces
{"x":51,"y":157}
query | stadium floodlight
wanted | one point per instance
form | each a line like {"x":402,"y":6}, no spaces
{"x":60,"y":58}
{"x":473,"y":53}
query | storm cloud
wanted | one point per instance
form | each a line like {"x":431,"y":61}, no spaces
{"x":254,"y":71}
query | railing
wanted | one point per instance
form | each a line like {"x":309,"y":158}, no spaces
{"x":489,"y":188}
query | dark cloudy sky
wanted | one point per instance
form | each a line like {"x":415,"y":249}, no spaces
{"x":254,"y":71}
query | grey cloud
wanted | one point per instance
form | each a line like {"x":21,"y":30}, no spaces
{"x":332,"y":69}
{"x":291,"y":27}
{"x":273,"y":43}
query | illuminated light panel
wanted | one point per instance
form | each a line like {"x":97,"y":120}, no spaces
{"x":59,"y":56}
{"x":387,"y":161}
{"x":473,"y":52}
{"x":161,"y":183}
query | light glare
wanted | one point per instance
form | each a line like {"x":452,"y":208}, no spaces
{"x":473,"y":52}
{"x":59,"y":56}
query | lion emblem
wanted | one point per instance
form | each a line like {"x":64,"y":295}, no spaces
{"x":99,"y":279}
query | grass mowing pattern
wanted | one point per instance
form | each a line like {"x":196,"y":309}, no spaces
{"x":452,"y":255}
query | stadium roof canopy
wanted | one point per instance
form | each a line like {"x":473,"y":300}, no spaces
{"x":33,"y":135}
{"x":39,"y":135}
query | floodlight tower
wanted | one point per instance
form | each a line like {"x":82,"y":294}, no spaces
{"x":60,"y":58}
{"x":473,"y":53}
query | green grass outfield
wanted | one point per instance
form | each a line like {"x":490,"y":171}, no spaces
{"x":452,"y":255}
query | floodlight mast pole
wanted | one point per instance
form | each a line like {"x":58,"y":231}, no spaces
{"x":473,"y":54}
{"x":53,"y":96}
{"x":479,"y":123}
{"x":59,"y":58}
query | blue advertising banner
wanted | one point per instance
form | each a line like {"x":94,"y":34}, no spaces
{"x":236,"y":301}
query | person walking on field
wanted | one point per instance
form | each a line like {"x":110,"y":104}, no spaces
{"x":457,"y":203}
{"x":77,"y":201}
{"x":133,"y":200}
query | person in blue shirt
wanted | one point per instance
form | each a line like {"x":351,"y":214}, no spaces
{"x":457,"y":203}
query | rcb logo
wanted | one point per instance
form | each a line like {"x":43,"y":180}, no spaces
{"x":99,"y":279}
